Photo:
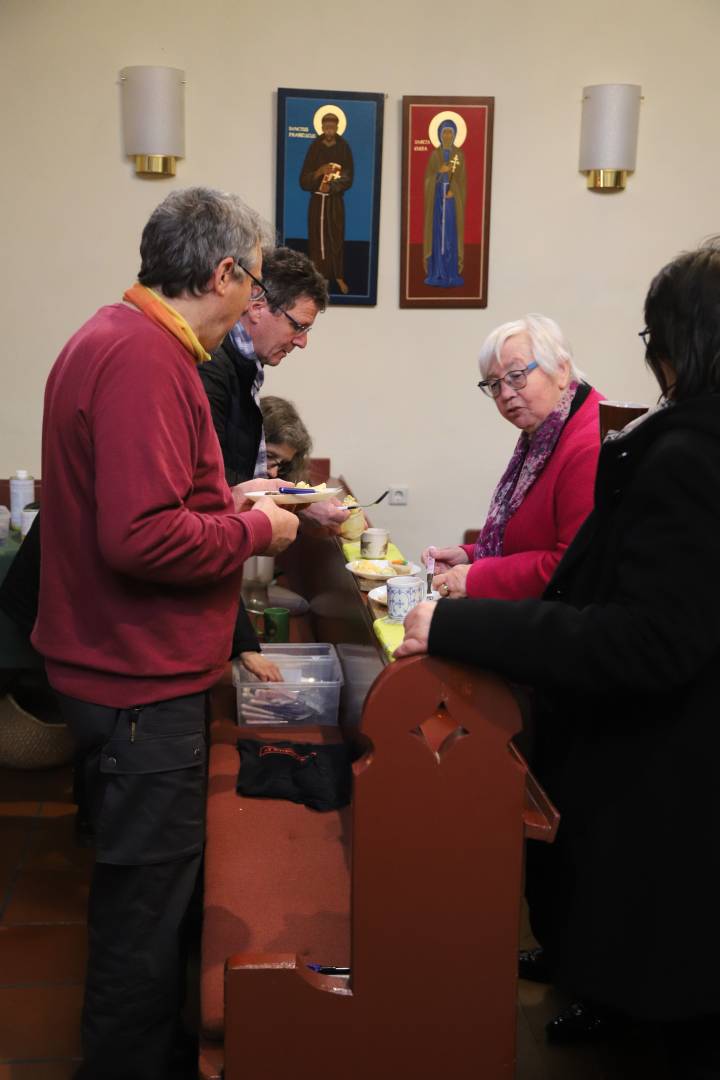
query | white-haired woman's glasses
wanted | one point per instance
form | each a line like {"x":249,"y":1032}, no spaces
{"x":514,"y":379}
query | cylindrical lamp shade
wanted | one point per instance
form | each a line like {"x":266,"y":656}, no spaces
{"x":153,"y":111}
{"x":608,"y":139}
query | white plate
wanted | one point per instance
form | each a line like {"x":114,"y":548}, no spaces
{"x":294,"y":500}
{"x":379,"y":595}
{"x":366,"y":579}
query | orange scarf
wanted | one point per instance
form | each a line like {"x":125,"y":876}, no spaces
{"x":157,"y":309}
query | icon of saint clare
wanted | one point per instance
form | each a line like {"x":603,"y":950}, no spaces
{"x":445,"y":193}
{"x":327,"y":173}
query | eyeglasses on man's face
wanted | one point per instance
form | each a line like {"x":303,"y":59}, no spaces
{"x":258,"y":289}
{"x":645,"y":335}
{"x":514,"y":379}
{"x":298,"y":327}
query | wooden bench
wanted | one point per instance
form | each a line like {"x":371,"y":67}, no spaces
{"x":416,"y":887}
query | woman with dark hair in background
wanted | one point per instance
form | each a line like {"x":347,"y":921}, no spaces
{"x":288,"y":445}
{"x":287,"y":440}
{"x":624,"y":653}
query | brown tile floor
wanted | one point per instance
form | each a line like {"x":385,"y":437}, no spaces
{"x":44,"y":879}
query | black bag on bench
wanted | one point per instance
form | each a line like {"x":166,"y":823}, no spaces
{"x":318,"y":776}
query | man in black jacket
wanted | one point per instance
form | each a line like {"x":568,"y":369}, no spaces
{"x":281,"y":315}
{"x":282,"y":311}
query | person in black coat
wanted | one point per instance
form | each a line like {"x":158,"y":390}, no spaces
{"x":624,"y":654}
{"x":279,"y":319}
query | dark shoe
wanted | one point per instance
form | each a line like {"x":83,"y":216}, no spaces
{"x":583,"y":1022}
{"x":533,"y":965}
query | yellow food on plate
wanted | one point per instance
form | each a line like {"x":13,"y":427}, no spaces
{"x":315,"y":487}
{"x":369,"y":566}
{"x":401,"y":566}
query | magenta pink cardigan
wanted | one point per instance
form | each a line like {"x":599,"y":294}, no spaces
{"x":540,"y":530}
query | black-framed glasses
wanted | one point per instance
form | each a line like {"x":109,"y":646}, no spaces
{"x":645,"y":335}
{"x":258,"y":288}
{"x":514,"y":379}
{"x":298,"y":327}
{"x":282,"y":467}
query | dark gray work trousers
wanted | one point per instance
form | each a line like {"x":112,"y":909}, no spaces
{"x":144,"y":773}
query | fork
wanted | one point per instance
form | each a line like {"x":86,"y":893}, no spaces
{"x":363,"y":506}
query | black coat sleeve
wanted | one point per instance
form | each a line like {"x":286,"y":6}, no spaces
{"x":655,"y":629}
{"x":244,"y":637}
{"x":20,"y":590}
{"x":217,"y":387}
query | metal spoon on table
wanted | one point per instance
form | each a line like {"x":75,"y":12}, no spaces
{"x":363,"y":506}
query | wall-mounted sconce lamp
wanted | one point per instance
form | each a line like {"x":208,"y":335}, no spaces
{"x":608,"y":139}
{"x":153,"y":112}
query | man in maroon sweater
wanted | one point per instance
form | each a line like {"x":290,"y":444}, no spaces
{"x":143,"y":544}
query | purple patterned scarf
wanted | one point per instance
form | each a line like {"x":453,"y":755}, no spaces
{"x":530,"y":456}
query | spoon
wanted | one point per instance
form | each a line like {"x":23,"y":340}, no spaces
{"x":363,"y":506}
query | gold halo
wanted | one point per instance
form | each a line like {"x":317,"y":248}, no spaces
{"x":447,"y":115}
{"x":342,"y":118}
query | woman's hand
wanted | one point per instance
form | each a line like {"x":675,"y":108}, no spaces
{"x":445,"y":558}
{"x":453,"y":583}
{"x":417,"y":630}
{"x":260,"y":666}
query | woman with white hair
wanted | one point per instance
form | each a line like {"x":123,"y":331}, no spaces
{"x":546,"y":490}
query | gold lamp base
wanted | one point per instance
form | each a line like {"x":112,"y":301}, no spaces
{"x":155,"y":165}
{"x":607,"y":179}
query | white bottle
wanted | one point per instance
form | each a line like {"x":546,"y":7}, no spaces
{"x":22,"y":492}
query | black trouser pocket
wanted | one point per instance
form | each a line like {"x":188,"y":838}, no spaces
{"x":145,"y":783}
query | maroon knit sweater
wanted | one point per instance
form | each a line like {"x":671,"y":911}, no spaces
{"x":142,"y":551}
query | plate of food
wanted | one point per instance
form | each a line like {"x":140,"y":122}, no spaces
{"x":371,"y":571}
{"x":296,"y":494}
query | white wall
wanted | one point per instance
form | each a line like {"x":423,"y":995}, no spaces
{"x":388,"y":394}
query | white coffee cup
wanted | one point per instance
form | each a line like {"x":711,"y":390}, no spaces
{"x":403,"y":593}
{"x":4,"y":523}
{"x":374,"y":543}
{"x":26,"y":519}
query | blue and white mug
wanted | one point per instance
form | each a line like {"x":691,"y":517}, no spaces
{"x":403,"y":593}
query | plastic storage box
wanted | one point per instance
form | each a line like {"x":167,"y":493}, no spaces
{"x":309,"y":694}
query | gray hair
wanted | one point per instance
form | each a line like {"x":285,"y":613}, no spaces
{"x":549,"y":345}
{"x":190,"y":232}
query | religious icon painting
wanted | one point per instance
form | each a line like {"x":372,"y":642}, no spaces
{"x":329,"y":164}
{"x":447,"y":159}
